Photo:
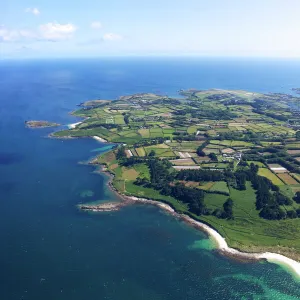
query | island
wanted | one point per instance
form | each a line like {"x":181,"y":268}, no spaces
{"x":227,"y":159}
{"x":40,"y":124}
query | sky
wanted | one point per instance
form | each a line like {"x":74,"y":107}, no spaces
{"x":94,"y":28}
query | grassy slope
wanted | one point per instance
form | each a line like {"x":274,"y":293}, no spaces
{"x":248,"y":231}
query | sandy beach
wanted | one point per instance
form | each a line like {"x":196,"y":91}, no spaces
{"x":73,"y":125}
{"x":99,"y":139}
{"x":220,"y":242}
{"x":223,"y":247}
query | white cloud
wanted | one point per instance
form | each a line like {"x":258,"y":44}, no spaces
{"x":56,"y":31}
{"x":47,"y":32}
{"x":13,"y":35}
{"x":96,"y":25}
{"x":33,"y":10}
{"x":112,"y":37}
{"x":7,"y":35}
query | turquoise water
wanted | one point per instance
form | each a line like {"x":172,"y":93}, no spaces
{"x":50,"y":250}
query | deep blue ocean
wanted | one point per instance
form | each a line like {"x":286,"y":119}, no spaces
{"x":50,"y":250}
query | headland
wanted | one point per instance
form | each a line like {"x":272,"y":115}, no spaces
{"x":225,"y":161}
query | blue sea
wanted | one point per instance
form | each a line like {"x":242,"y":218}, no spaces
{"x":52,"y":251}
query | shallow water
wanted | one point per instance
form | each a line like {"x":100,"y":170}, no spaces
{"x":50,"y":250}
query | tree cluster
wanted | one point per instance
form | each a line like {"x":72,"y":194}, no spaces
{"x":200,"y":175}
{"x":227,"y":212}
{"x":121,"y":153}
{"x":161,"y":178}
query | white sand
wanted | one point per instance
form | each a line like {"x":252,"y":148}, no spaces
{"x":282,"y":260}
{"x":279,"y":259}
{"x":99,"y":139}
{"x":73,"y":125}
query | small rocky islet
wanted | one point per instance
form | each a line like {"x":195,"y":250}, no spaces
{"x":40,"y":124}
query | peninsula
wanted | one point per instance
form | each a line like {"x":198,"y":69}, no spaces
{"x":228,"y":159}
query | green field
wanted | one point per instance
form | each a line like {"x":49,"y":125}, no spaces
{"x":206,"y":185}
{"x":140,"y":151}
{"x":142,"y":170}
{"x":220,"y":186}
{"x":293,"y":146}
{"x":248,"y":231}
{"x":160,"y":152}
{"x":144,"y":133}
{"x":270,"y":175}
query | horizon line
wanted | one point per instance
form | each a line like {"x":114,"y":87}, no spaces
{"x":152,"y":56}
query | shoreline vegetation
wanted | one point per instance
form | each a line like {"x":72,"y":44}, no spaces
{"x":226,"y":162}
{"x":40,"y":124}
{"x":218,"y":239}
